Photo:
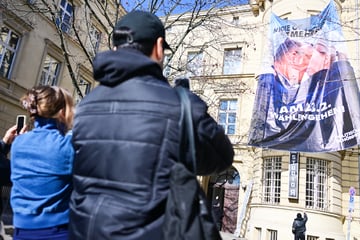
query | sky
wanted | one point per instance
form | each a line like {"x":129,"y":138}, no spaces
{"x":184,"y":6}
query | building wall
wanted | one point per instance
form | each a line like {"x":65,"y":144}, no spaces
{"x":39,"y":37}
{"x":250,"y":32}
{"x":344,"y":168}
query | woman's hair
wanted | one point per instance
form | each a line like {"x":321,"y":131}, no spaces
{"x":122,"y":38}
{"x":50,"y":102}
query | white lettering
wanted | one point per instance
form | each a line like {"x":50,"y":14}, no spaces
{"x":285,"y":115}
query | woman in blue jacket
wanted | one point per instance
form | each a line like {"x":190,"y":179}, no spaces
{"x":41,"y":166}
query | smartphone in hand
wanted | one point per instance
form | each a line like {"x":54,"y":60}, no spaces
{"x":20,"y":122}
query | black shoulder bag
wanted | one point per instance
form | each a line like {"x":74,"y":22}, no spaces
{"x":187,"y":214}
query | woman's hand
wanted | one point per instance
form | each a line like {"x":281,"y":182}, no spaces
{"x":11,"y":134}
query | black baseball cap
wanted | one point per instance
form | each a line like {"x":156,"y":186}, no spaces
{"x":145,"y":26}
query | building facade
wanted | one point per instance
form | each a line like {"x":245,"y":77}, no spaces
{"x":222,"y":58}
{"x":50,"y":43}
{"x":257,"y":195}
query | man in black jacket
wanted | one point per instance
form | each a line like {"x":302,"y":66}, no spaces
{"x":299,"y":226}
{"x":126,"y":136}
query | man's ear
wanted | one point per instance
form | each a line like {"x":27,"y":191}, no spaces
{"x":158,"y":51}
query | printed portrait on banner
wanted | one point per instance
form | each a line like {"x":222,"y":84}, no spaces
{"x":307,"y":97}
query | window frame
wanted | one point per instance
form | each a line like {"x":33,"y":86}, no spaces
{"x":194,"y":63}
{"x":6,"y":47}
{"x":227,"y":60}
{"x":61,"y":22}
{"x":84,"y":74}
{"x":49,"y":73}
{"x":227,"y":112}
{"x":310,"y":237}
{"x":94,"y":40}
{"x":55,"y":52}
{"x":167,"y":68}
{"x":21,"y":27}
{"x":272,"y":234}
{"x":317,"y":184}
{"x":272,"y":180}
{"x":87,"y":89}
{"x":235,"y":20}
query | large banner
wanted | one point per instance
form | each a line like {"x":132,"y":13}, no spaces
{"x":307,"y":98}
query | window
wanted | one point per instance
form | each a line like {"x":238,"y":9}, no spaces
{"x":85,"y":87}
{"x":235,"y":20}
{"x":50,"y":72}
{"x":84,"y":82}
{"x":169,"y":29}
{"x":227,"y":115}
{"x":317,"y":176}
{"x":66,"y":13}
{"x":195,"y":63}
{"x":309,"y":237}
{"x":9,"y":42}
{"x":94,"y":40}
{"x":272,"y":180}
{"x":272,"y":234}
{"x":232,"y":61}
{"x":257,"y":233}
{"x":167,"y":69}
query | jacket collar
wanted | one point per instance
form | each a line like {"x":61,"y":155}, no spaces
{"x":114,"y":67}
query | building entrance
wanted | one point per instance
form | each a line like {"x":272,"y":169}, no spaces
{"x":223,"y":193}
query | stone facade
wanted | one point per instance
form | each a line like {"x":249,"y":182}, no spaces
{"x":258,"y":216}
{"x":248,"y":213}
{"x":38,"y":40}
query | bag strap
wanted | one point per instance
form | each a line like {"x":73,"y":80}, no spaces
{"x":187,"y":153}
